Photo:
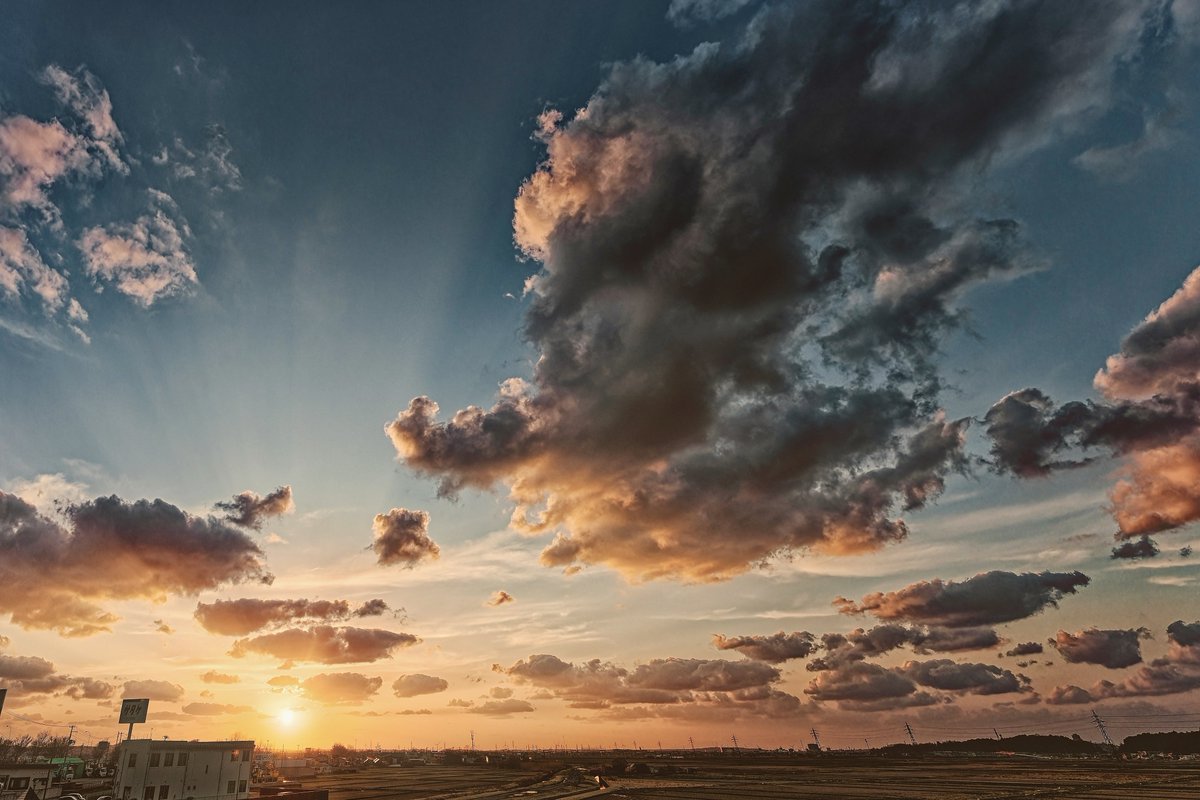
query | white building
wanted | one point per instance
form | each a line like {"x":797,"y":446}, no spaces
{"x":17,"y":779}
{"x":152,"y":769}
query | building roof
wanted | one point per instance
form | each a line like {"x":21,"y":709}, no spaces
{"x":193,"y":744}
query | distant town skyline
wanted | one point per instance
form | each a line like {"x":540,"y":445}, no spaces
{"x":576,"y":374}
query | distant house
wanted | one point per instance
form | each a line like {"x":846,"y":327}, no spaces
{"x":151,"y":769}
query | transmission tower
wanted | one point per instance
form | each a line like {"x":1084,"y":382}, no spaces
{"x":867,"y":742}
{"x":1103,"y":730}
{"x":911,"y":736}
{"x":472,"y":741}
{"x":735,"y":744}
{"x":998,"y":736}
{"x":816,"y":738}
{"x":692,"y":742}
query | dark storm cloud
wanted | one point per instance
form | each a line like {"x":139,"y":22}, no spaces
{"x":1186,"y":634}
{"x":1177,"y":672}
{"x":247,"y":615}
{"x":749,"y":258}
{"x":402,"y":537}
{"x":250,"y":510}
{"x":985,"y":679}
{"x":1029,"y":432}
{"x":324,"y":644}
{"x":1109,"y":648}
{"x":775,"y":648}
{"x":1150,"y":417}
{"x":989,"y":598}
{"x":1143,"y":547}
{"x":150,"y":550}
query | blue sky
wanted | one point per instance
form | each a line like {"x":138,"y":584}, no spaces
{"x":341,"y":183}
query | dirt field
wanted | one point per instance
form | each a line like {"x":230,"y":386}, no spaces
{"x":841,"y":778}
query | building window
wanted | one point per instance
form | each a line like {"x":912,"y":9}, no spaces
{"x":233,"y":755}
{"x":246,"y":754}
{"x":154,"y":757}
{"x":183,"y":759}
{"x":231,"y":787}
{"x":148,"y":794}
{"x":125,"y":794}
{"x":168,"y":759}
{"x":163,"y":791}
{"x":132,"y":760}
{"x":19,"y":783}
{"x":241,"y":787}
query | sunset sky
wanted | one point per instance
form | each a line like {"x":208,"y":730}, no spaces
{"x":577,"y":373}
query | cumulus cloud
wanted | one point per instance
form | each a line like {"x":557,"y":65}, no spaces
{"x":985,"y":679}
{"x":211,"y":163}
{"x":1109,"y":648}
{"x":33,"y":157}
{"x":717,"y":685}
{"x":162,"y":627}
{"x":153,"y":690}
{"x":340,"y":688}
{"x":500,"y":597}
{"x":31,"y":675}
{"x":416,"y":684}
{"x":325,"y":644}
{"x":989,"y":598}
{"x":738,"y":304}
{"x":1150,"y":416}
{"x":1175,"y":673}
{"x":247,"y":615}
{"x":249,"y":509}
{"x":402,"y":537}
{"x":48,"y":578}
{"x":146,"y":259}
{"x":283,"y":681}
{"x":1025,"y":649}
{"x":23,"y":272}
{"x":213,"y":709}
{"x":212,"y":676}
{"x":1142,"y":547}
{"x":775,"y":648}
{"x":501,"y":708}
{"x":82,"y":92}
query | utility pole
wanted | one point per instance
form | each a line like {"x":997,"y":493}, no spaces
{"x":472,"y":741}
{"x":911,"y":736}
{"x":998,"y":736}
{"x":867,"y":742}
{"x":816,"y":738}
{"x":1100,"y":724}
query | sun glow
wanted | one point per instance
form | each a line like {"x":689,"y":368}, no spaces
{"x":286,"y":717}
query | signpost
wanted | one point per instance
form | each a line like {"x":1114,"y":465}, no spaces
{"x":134,"y":711}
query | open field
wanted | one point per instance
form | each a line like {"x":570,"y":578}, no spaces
{"x":785,"y":776}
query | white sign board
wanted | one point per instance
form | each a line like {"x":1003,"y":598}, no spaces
{"x":134,"y":710}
